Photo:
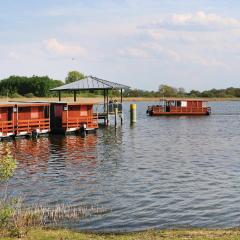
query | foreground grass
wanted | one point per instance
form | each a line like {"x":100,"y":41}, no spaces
{"x":194,"y":234}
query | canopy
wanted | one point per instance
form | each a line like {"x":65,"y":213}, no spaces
{"x":90,"y":83}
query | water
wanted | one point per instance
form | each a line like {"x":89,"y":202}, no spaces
{"x":163,"y":172}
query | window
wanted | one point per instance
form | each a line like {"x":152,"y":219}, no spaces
{"x":184,"y":103}
{"x":178,"y":103}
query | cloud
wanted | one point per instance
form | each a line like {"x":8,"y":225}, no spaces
{"x":134,"y":52}
{"x":200,"y":21}
{"x":54,"y":46}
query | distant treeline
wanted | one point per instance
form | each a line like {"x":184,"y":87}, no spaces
{"x":168,"y":91}
{"x":16,"y":86}
{"x":39,"y":86}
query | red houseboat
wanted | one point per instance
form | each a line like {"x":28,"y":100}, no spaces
{"x":31,"y":118}
{"x":71,"y":117}
{"x":6,"y":120}
{"x":179,"y":107}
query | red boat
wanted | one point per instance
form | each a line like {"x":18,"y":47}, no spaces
{"x":179,"y":107}
{"x":71,"y":117}
{"x":6,"y":120}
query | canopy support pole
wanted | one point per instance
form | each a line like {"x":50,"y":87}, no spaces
{"x":107,"y":109}
{"x":59,"y":96}
{"x":75,"y":96}
{"x":104,"y":95}
{"x":121,"y":107}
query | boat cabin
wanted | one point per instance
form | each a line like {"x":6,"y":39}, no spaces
{"x":6,"y":120}
{"x":70,"y":117}
{"x":31,"y":118}
{"x":179,"y":107}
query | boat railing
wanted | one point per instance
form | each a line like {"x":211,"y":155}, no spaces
{"x":6,"y":127}
{"x":77,"y":122}
{"x":158,"y":109}
{"x":31,"y":125}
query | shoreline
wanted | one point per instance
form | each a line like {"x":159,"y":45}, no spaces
{"x":98,"y":100}
{"x":174,"y":234}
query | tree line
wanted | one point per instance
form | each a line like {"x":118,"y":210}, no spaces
{"x":39,"y":86}
{"x":169,"y":91}
{"x":15,"y":86}
{"x":35,"y":86}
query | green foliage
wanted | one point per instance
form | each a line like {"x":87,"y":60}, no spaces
{"x":17,"y":85}
{"x":29,"y":95}
{"x":6,"y":212}
{"x":168,"y":91}
{"x":74,"y":76}
{"x":15,"y":95}
{"x":7,"y":166}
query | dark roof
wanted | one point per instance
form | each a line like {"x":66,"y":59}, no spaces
{"x":90,"y":83}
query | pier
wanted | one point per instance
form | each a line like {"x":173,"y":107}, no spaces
{"x":91,"y":83}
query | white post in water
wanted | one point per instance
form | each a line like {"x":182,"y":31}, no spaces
{"x":133,"y":113}
{"x":116,"y":115}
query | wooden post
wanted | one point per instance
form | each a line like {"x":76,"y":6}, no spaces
{"x":75,"y":96}
{"x":121,"y":106}
{"x":115,"y":114}
{"x":59,"y":96}
{"x":104,"y":106}
{"x":107,"y":109}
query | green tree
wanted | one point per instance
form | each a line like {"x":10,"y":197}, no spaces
{"x":74,"y":76}
{"x":167,"y":91}
{"x":19,"y":85}
{"x":7,"y":166}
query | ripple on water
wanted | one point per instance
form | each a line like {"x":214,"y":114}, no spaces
{"x":161,"y":172}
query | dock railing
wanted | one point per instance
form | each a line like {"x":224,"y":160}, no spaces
{"x":111,"y":106}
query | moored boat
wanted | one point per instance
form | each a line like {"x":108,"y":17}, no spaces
{"x":6,"y":120}
{"x":72,"y":117}
{"x":179,"y":107}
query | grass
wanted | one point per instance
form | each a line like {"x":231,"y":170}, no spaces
{"x":193,"y":234}
{"x":99,"y":99}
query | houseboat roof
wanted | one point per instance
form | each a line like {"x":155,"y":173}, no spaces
{"x":41,"y":103}
{"x":182,"y":99}
{"x":71,"y":103}
{"x":6,"y":104}
{"x":26,"y":103}
{"x":90,"y":83}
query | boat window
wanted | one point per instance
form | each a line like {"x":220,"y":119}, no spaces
{"x":178,"y":103}
{"x":204,"y":104}
{"x":162,"y":103}
{"x":184,"y":103}
{"x":172,"y":103}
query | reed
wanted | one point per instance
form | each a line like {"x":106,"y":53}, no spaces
{"x":63,"y":212}
{"x":21,"y":220}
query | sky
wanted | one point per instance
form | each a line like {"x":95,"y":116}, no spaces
{"x":194,"y":44}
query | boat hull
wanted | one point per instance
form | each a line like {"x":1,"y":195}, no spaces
{"x":179,"y":114}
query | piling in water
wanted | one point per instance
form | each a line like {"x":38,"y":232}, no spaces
{"x":115,"y":115}
{"x":133,"y":113}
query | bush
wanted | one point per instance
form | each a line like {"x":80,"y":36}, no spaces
{"x":29,"y":95}
{"x":15,"y":95}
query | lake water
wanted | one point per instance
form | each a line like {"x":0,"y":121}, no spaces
{"x":162,"y":172}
